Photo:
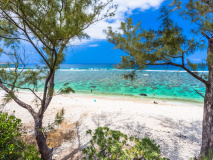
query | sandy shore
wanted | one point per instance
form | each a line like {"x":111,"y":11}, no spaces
{"x":175,"y":126}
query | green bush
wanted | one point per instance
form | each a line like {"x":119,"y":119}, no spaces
{"x":107,"y":144}
{"x":208,"y":156}
{"x":12,"y":146}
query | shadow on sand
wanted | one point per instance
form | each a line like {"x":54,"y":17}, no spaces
{"x":171,"y":137}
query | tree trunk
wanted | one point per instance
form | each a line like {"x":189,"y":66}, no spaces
{"x":207,"y":131}
{"x":46,"y":152}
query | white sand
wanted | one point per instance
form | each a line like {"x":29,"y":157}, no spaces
{"x":163,"y":122}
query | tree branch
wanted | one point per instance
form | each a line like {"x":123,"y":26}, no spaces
{"x":205,"y":35}
{"x":199,"y":93}
{"x":24,"y":18}
{"x":41,"y":112}
{"x":50,"y":92}
{"x":24,"y":88}
{"x":26,"y":22}
{"x":182,"y":66}
{"x":37,"y":49}
{"x":26,"y":34}
{"x":13,"y":38}
{"x":192,"y":73}
{"x":19,"y":102}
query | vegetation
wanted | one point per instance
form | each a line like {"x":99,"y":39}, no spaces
{"x":48,"y":27}
{"x":168,"y":45}
{"x":108,"y":144}
{"x":208,"y":156}
{"x":59,"y":118}
{"x":11,"y":143}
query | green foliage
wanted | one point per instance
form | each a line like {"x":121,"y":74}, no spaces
{"x":193,"y":66}
{"x":20,"y":78}
{"x":130,"y":76}
{"x":52,"y":23}
{"x":48,"y":26}
{"x":208,"y":156}
{"x":59,"y":118}
{"x":67,"y":90}
{"x":108,"y":144}
{"x":149,"y":47}
{"x":199,"y":12}
{"x":166,"y":45}
{"x":11,"y":143}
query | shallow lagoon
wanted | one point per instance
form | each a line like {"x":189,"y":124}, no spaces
{"x":164,"y":84}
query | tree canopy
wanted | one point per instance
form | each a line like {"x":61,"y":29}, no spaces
{"x":156,"y":47}
{"x":48,"y":26}
{"x":169,"y":46}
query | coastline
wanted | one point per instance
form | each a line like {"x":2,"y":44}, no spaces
{"x":132,"y":96}
{"x":169,"y":85}
{"x":148,"y":98}
{"x":167,"y":122}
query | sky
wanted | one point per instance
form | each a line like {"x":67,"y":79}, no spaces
{"x":98,"y":50}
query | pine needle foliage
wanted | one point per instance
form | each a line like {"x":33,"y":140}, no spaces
{"x":59,"y":118}
{"x":65,"y":89}
{"x":149,"y":47}
{"x":168,"y":45}
{"x":49,"y":27}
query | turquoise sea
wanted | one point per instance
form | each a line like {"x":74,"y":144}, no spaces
{"x":164,"y":81}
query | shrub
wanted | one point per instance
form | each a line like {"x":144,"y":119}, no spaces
{"x":208,"y":156}
{"x":11,"y":142}
{"x":107,"y":144}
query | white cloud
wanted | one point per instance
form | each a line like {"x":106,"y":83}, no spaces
{"x":196,"y":60}
{"x":125,"y":9}
{"x":93,"y":45}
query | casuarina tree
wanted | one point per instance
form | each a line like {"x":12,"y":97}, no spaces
{"x":47,"y":26}
{"x":169,"y":46}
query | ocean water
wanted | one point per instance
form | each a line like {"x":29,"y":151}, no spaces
{"x":167,"y":82}
{"x":156,"y":81}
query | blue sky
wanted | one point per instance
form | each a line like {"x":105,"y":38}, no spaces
{"x":101,"y":51}
{"x":98,"y":50}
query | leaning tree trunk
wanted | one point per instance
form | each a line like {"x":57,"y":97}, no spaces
{"x":46,"y":152}
{"x":207,"y":131}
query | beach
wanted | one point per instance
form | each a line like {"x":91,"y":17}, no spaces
{"x":174,"y":125}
